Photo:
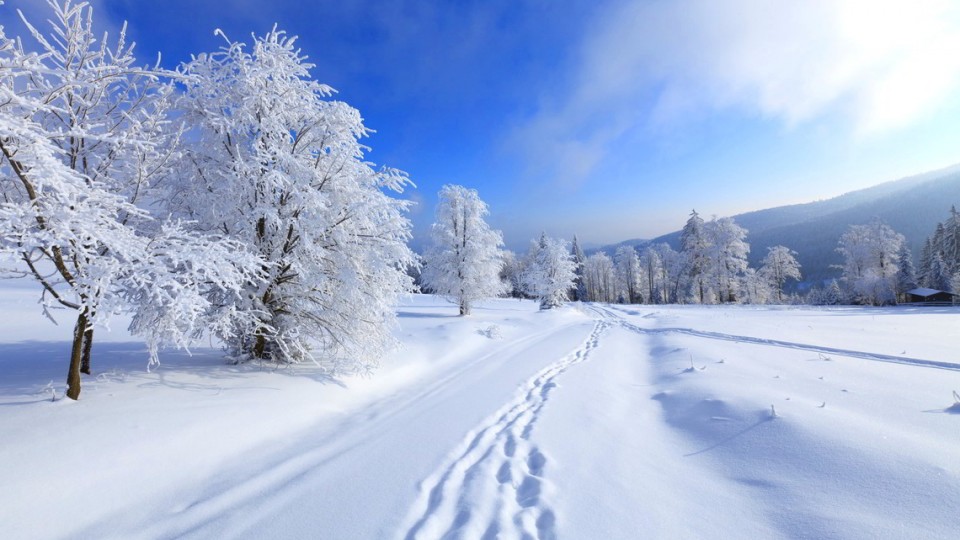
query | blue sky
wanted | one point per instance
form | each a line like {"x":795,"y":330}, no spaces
{"x":611,"y":119}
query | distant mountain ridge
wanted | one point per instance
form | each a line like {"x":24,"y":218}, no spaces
{"x":912,"y":206}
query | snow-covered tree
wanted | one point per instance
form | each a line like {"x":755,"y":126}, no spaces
{"x":926,"y":259}
{"x":84,"y":136}
{"x":726,"y":259}
{"x":464,"y":261}
{"x":938,"y":276}
{"x":940,"y":257}
{"x":578,"y":293}
{"x":673,"y":278}
{"x":551,"y":272}
{"x":599,"y":278}
{"x":833,"y":294}
{"x":277,"y":166}
{"x":870,"y":254}
{"x":950,"y":243}
{"x":511,"y":273}
{"x":830,"y":295}
{"x":757,"y":287}
{"x":906,"y":275}
{"x":628,"y":274}
{"x":651,"y":264}
{"x":694,"y":245}
{"x":778,"y":266}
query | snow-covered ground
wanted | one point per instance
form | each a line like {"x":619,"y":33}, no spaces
{"x":589,"y":421}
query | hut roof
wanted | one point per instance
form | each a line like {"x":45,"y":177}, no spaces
{"x":923,"y":291}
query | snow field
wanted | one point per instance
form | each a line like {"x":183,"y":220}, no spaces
{"x":858,"y":448}
{"x":583,"y":422}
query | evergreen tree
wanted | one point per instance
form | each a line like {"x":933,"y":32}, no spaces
{"x":950,"y":243}
{"x":906,"y":275}
{"x":926,"y":261}
{"x":833,"y":295}
{"x":551,"y":273}
{"x":945,"y":244}
{"x":939,"y":277}
{"x":578,"y":293}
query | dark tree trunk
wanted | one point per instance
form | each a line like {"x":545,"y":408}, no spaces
{"x":260,"y":345}
{"x":85,"y":355}
{"x":76,"y":353}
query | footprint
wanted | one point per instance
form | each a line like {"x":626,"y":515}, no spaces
{"x":528,"y":494}
{"x":535,"y":462}
{"x":510,"y":446}
{"x":492,"y":532}
{"x":503,"y":474}
{"x":546,"y":525}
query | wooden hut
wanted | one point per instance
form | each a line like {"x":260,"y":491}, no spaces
{"x":923,"y":295}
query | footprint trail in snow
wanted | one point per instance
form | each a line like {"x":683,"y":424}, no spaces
{"x":493,"y":485}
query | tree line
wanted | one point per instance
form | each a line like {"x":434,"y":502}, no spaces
{"x":710,"y":268}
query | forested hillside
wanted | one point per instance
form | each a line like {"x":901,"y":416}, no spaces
{"x":912,"y":206}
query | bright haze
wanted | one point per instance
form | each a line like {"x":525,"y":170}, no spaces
{"x":610,"y":119}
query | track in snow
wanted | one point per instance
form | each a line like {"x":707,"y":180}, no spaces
{"x":494,"y":482}
{"x":235,"y":500}
{"x":609,"y":314}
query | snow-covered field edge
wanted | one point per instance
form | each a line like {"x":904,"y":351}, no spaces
{"x":586,"y":421}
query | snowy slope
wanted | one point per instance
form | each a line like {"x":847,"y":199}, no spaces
{"x":583,"y":422}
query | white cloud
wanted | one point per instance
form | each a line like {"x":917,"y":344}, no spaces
{"x":880,"y":65}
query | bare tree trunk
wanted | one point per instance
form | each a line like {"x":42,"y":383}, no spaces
{"x":464,"y":307}
{"x":85,"y":355}
{"x":73,"y":375}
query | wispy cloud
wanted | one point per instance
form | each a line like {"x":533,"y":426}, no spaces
{"x":876,"y":65}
